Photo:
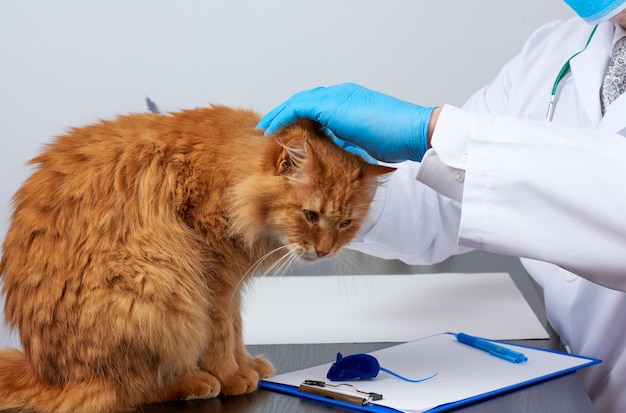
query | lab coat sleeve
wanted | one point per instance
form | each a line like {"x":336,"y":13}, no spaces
{"x":444,"y":166}
{"x":546,"y":191}
{"x":410,"y":222}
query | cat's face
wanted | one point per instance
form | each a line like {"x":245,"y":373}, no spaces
{"x":327,"y":194}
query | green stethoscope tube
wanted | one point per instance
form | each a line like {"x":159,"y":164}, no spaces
{"x":564,"y":71}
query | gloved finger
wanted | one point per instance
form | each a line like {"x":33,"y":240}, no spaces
{"x":296,"y":107}
{"x":285,"y":116}
{"x":342,"y":143}
{"x":267,"y":122}
{"x":357,"y":150}
{"x":351,"y":147}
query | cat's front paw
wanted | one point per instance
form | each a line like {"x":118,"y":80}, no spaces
{"x":263,"y":367}
{"x":245,"y":380}
{"x":193,"y":385}
{"x":247,"y":377}
{"x":200,"y":385}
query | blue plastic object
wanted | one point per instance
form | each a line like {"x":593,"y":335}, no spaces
{"x":361,"y":366}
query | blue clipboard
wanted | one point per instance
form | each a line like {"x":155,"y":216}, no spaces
{"x":461,"y":362}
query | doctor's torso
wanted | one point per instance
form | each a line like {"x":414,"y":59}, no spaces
{"x":586,"y":315}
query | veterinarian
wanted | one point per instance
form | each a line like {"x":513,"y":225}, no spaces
{"x":533,"y":165}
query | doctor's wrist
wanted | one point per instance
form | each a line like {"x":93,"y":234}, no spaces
{"x":434,"y":116}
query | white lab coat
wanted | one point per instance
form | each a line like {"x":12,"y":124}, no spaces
{"x":551,"y":192}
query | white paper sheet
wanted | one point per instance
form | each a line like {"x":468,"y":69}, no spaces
{"x":463,"y":372}
{"x":385,"y":308}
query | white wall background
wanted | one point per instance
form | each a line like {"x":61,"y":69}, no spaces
{"x":69,"y":62}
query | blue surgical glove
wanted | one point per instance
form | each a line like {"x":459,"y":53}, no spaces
{"x":389,"y":129}
{"x":350,"y":147}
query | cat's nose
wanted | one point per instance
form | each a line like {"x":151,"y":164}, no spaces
{"x":322,"y":253}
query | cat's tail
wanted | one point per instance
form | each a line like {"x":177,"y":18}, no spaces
{"x":21,"y":389}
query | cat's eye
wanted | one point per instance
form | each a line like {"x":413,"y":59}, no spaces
{"x":311,"y":216}
{"x":345,"y":223}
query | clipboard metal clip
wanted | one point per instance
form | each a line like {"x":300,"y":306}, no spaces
{"x":320,"y":388}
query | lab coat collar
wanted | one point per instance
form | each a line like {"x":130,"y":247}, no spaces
{"x":615,"y":116}
{"x":588,"y":70}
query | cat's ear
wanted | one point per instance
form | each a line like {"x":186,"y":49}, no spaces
{"x":291,"y":158}
{"x":374,"y":170}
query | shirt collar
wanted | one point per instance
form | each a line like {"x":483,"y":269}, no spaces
{"x":619,"y":33}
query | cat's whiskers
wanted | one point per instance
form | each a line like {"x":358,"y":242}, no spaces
{"x":349,"y":262}
{"x":254,"y":268}
{"x":283,"y":264}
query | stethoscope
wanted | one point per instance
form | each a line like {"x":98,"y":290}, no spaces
{"x":564,"y":71}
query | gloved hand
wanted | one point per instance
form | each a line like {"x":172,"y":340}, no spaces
{"x":389,"y":129}
{"x":351,"y":147}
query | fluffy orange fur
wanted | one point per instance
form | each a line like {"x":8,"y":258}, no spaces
{"x":130,"y":243}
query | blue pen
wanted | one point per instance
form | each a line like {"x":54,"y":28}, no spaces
{"x":492,"y":348}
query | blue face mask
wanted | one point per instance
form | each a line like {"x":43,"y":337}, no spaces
{"x":595,"y":11}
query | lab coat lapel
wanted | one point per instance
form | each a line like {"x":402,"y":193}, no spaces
{"x":588,"y":70}
{"x":615,"y":117}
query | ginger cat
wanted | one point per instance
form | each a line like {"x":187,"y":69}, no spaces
{"x":132,"y":239}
